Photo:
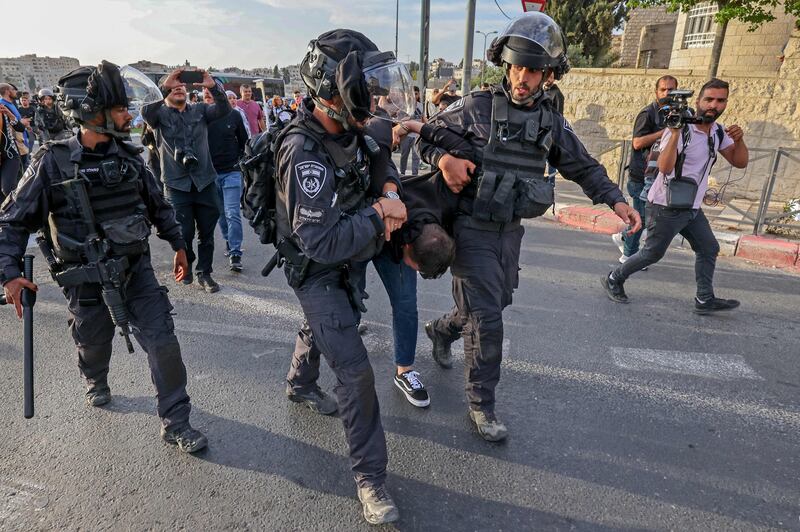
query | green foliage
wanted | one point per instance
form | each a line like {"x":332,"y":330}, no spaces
{"x":578,"y":59}
{"x":751,"y":12}
{"x":588,"y":26}
{"x":492,"y":75}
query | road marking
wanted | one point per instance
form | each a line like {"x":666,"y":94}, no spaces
{"x":263,"y":305}
{"x":18,"y":498}
{"x":707,"y":365}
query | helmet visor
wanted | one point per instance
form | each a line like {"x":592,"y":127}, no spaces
{"x":139,"y":89}
{"x":539,"y":28}
{"x":392,"y":87}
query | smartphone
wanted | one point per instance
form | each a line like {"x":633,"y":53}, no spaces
{"x":191,"y":77}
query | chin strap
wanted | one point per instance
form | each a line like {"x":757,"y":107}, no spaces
{"x":530,"y":99}
{"x":108,"y":129}
{"x":340,"y":117}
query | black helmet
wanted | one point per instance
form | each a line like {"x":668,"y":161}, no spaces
{"x":532,"y":40}
{"x":86,"y":91}
{"x":346,"y":63}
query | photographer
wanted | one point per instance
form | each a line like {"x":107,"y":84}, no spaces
{"x":181,"y":133}
{"x":647,"y":130}
{"x":689,"y":149}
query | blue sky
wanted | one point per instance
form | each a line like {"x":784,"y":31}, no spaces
{"x":245,"y":33}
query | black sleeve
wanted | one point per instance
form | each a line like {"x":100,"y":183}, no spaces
{"x":569,"y":156}
{"x":150,"y":113}
{"x":452,"y":118}
{"x":161,"y":213}
{"x":220,"y":107}
{"x":241,"y":133}
{"x":644,"y":124}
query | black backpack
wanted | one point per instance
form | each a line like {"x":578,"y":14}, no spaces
{"x":258,"y":183}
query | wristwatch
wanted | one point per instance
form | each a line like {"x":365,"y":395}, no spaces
{"x":391,"y":194}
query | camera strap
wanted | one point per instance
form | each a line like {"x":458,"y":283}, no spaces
{"x":686,"y":135}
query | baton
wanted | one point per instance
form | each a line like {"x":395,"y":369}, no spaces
{"x":28,"y":300}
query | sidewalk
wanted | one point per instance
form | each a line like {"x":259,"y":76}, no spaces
{"x":572,"y":209}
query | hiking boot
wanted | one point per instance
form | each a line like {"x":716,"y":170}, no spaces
{"x":489,"y":427}
{"x":207,"y":283}
{"x":714,"y":304}
{"x":619,"y":240}
{"x":316,"y":400}
{"x":378,"y":505}
{"x":236,"y":263}
{"x":98,"y":395}
{"x":408,"y":382}
{"x":614,"y":289}
{"x":185,"y":437}
{"x":441,"y":347}
{"x":187,"y":279}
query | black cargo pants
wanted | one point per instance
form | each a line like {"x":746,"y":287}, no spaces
{"x":149,"y":311}
{"x":485,"y":275}
{"x":331,"y":329}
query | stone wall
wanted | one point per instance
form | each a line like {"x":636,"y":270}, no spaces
{"x":638,"y":20}
{"x":654,"y":45}
{"x":602,"y":104}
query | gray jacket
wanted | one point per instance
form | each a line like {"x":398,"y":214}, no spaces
{"x":186,"y":131}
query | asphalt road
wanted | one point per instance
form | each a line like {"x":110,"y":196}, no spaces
{"x":639,"y":416}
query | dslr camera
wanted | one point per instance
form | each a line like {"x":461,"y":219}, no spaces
{"x":186,"y":157}
{"x":675,"y":109}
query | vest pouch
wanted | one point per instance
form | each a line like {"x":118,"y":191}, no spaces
{"x":681,"y":193}
{"x":533,"y":197}
{"x":128,"y":235}
{"x":494,"y":198}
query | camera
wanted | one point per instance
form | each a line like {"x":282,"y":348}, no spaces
{"x":186,"y":158}
{"x":675,"y":110}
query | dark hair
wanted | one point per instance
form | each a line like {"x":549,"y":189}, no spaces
{"x":245,"y":86}
{"x":666,"y":78}
{"x":433,"y":251}
{"x":416,"y":89}
{"x":714,"y":83}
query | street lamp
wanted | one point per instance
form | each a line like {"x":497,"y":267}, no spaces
{"x":483,"y":62}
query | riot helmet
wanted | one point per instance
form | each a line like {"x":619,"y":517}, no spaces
{"x":534,"y":41}
{"x":46,"y":92}
{"x":346,"y":63}
{"x":87,"y":91}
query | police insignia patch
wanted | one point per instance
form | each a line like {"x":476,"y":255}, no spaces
{"x":303,"y":214}
{"x":310,"y":176}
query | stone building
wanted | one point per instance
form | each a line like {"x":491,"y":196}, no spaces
{"x":31,"y":72}
{"x":648,"y":38}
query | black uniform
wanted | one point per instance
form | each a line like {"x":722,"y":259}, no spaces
{"x":124,"y":212}
{"x":51,"y":124}
{"x":323,"y":209}
{"x":486,"y":267}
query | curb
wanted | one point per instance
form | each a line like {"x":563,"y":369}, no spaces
{"x":766,"y":251}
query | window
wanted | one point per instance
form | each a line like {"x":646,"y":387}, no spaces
{"x":700,"y":26}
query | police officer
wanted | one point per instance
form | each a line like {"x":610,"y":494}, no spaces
{"x":516,"y":130}
{"x":94,"y":202}
{"x":328,"y":228}
{"x":49,"y":119}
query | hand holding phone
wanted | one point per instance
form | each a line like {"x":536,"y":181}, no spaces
{"x":191,"y":77}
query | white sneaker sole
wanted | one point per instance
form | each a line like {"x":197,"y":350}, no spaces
{"x":415,"y":402}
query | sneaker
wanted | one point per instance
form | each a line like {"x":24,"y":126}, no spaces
{"x":614,"y":289}
{"x":619,"y":240}
{"x":316,"y":400}
{"x":207,"y":283}
{"x":441,"y":348}
{"x":415,"y":392}
{"x":187,"y":279}
{"x":185,"y":437}
{"x":227,"y":249}
{"x":98,"y":395}
{"x":714,"y":304}
{"x":489,"y":427}
{"x":378,"y":505}
{"x":236,"y":263}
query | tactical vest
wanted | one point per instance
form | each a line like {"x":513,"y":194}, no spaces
{"x":52,"y":120}
{"x":118,"y":213}
{"x":513,"y":184}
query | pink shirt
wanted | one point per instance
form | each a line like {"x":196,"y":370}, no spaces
{"x":696,"y":158}
{"x":254,"y":113}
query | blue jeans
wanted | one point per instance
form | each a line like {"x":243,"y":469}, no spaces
{"x":632,"y":241}
{"x":230,"y":222}
{"x":400,"y":281}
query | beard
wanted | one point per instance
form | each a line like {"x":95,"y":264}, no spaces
{"x":709,"y":115}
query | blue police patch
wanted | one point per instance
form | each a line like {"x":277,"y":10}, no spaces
{"x":310,"y":176}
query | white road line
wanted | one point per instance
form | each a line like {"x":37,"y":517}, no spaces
{"x":262,"y":305}
{"x":18,"y":498}
{"x":708,"y":365}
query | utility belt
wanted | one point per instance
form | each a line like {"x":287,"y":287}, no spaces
{"x":466,"y":206}
{"x":298,"y":268}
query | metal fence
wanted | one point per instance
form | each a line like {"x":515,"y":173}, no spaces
{"x":757,"y":198}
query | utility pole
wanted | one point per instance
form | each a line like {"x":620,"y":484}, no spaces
{"x":470,"y":34}
{"x":425,"y":29}
{"x":483,"y":57}
{"x":396,"y":25}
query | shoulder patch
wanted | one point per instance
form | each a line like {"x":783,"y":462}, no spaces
{"x":310,"y":176}
{"x":304,"y":214}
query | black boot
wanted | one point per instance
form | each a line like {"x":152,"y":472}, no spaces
{"x":441,"y":347}
{"x":207,"y":283}
{"x":98,"y":394}
{"x":714,"y":304}
{"x":614,"y":289}
{"x":185,"y":437}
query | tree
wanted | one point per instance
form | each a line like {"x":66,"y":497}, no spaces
{"x":589,"y":25}
{"x":492,"y":75}
{"x":754,"y":13}
{"x":275,"y":71}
